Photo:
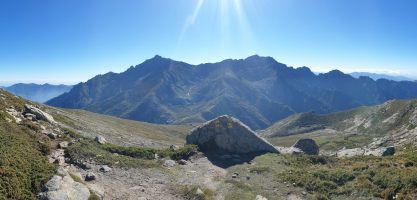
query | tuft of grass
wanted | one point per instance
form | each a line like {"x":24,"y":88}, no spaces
{"x":190,"y":192}
{"x":93,"y":196}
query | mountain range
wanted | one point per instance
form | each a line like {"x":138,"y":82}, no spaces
{"x":377,"y":76}
{"x":257,"y":90}
{"x":37,"y":92}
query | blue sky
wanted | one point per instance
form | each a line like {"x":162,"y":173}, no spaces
{"x":61,"y":41}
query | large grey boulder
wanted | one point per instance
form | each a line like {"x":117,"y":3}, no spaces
{"x":227,"y":134}
{"x":40,"y":115}
{"x":64,"y":188}
{"x":308,"y":146}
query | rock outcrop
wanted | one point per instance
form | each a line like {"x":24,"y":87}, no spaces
{"x":62,"y":187}
{"x":227,"y":134}
{"x":40,"y":115}
{"x":308,"y":146}
{"x":380,"y":151}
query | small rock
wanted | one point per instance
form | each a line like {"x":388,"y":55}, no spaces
{"x":31,"y":117}
{"x":100,"y":139}
{"x":199,"y":192}
{"x":169,"y":163}
{"x":173,"y":147}
{"x":52,"y":135}
{"x":90,"y":176}
{"x":259,"y":197}
{"x":182,"y":162}
{"x":60,"y":160}
{"x":235,"y":175}
{"x":105,"y":168}
{"x":63,"y":145}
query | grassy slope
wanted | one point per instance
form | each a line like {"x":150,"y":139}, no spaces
{"x":121,"y":131}
{"x":352,"y":128}
{"x":23,"y":167}
{"x":327,"y":178}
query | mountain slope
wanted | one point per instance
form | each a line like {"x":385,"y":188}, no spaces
{"x":257,"y":90}
{"x":393,"y":123}
{"x":36,"y":92}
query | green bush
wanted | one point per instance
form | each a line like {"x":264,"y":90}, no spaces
{"x":23,"y":168}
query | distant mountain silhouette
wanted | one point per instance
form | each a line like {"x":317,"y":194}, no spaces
{"x":36,"y":92}
{"x":257,"y":90}
{"x":376,"y":76}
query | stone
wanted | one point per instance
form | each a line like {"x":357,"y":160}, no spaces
{"x":52,"y":135}
{"x":350,"y":152}
{"x":199,"y":192}
{"x":173,"y":147}
{"x":382,"y":151}
{"x":228,"y":135}
{"x":60,"y":160}
{"x":31,"y":117}
{"x":169,"y":163}
{"x":290,"y":150}
{"x":105,"y":168}
{"x":64,"y":188}
{"x":235,"y":175}
{"x":100,"y":139}
{"x":182,"y":162}
{"x":308,"y":146}
{"x":40,"y":115}
{"x":90,"y":176}
{"x":259,"y":197}
{"x":63,"y":145}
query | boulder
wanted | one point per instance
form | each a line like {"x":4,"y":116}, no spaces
{"x":350,"y":152}
{"x":105,"y":168}
{"x":173,"y":147}
{"x":228,"y":135}
{"x":40,"y":115}
{"x":259,"y":197}
{"x":308,"y":146}
{"x":169,"y":163}
{"x":30,"y":116}
{"x":182,"y":162}
{"x":382,"y":151}
{"x":100,"y":139}
{"x":90,"y":176}
{"x":289,"y":150}
{"x":199,"y":192}
{"x":63,"y":145}
{"x":64,"y":187}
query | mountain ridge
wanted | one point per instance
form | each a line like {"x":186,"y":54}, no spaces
{"x":38,"y":92}
{"x":258,"y":90}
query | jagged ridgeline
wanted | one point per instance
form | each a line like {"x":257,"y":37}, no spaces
{"x":256,"y":90}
